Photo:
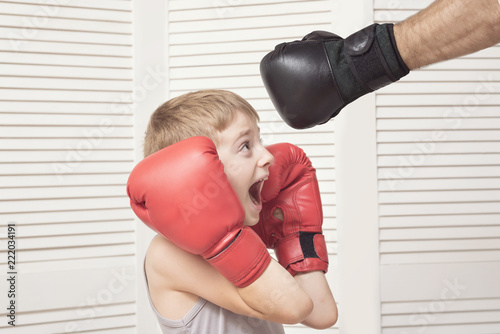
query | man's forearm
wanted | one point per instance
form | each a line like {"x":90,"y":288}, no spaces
{"x":448,"y":29}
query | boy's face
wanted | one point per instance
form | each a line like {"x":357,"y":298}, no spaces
{"x":246,"y":163}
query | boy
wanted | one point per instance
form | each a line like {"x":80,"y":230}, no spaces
{"x":207,"y":270}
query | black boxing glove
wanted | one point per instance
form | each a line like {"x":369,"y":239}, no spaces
{"x":311,"y":80}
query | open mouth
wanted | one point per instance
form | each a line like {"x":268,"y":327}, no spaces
{"x":254,"y":192}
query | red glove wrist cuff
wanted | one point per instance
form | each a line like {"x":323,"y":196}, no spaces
{"x":244,"y":260}
{"x":302,"y":252}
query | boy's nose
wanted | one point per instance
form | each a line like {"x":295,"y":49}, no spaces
{"x":267,"y":158}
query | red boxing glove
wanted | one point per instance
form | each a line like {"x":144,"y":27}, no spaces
{"x":292,"y":186}
{"x":183,"y":193}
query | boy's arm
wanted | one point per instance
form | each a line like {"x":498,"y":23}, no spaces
{"x":315,"y":285}
{"x":274,"y":296}
{"x":291,"y":223}
{"x":183,"y":193}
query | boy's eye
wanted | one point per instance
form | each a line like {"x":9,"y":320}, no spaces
{"x":246,"y":145}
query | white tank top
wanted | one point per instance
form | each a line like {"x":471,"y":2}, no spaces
{"x":208,"y":318}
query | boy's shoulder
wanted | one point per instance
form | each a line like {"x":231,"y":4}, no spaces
{"x":167,"y":268}
{"x":159,"y":248}
{"x":160,"y":252}
{"x":168,"y":265}
{"x":159,"y":245}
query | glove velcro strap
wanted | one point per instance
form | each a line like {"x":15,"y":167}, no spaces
{"x":302,"y":252}
{"x":388,"y":46}
{"x":244,"y":260}
{"x":366,"y":61}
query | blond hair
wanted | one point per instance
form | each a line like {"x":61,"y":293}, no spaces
{"x":200,"y":113}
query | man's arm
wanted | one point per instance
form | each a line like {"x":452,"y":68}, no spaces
{"x":448,"y":29}
{"x":333,"y":71}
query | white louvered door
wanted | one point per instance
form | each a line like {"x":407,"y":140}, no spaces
{"x":438,"y":136}
{"x":66,"y":148}
{"x":219,"y":44}
{"x":74,"y":99}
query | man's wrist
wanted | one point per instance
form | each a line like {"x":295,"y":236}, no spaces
{"x":403,"y":42}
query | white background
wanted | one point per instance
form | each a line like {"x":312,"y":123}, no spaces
{"x":409,"y":176}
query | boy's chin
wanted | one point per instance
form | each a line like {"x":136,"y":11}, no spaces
{"x":251,"y":221}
